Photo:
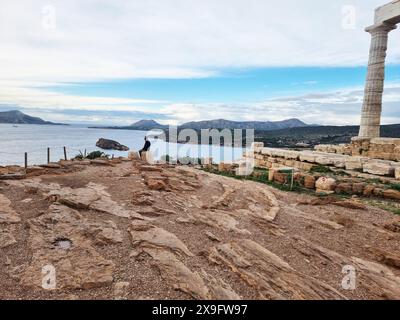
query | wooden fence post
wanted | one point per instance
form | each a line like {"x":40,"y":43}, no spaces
{"x":48,"y":155}
{"x":65,"y":153}
{"x":26,"y":160}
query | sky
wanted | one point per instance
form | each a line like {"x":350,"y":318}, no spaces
{"x":115,"y":62}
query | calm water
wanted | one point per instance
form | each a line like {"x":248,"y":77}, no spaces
{"x":35,"y":140}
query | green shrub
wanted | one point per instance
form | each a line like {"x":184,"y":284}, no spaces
{"x":96,"y":154}
{"x":321,"y":169}
{"x":394,"y":186}
{"x":189,"y":160}
{"x":91,"y":156}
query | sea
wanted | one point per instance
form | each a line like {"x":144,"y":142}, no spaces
{"x":15,"y":140}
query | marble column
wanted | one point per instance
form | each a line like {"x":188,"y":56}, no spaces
{"x":372,"y":106}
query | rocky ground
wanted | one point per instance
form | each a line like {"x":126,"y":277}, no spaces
{"x":135,"y":231}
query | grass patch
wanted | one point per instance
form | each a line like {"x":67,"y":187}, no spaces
{"x":321,"y":169}
{"x":392,"y":207}
{"x":341,"y":173}
{"x":394,"y":186}
{"x":261,"y":176}
{"x":375,"y":180}
{"x":92,"y":156}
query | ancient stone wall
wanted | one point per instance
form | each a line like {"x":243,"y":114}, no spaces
{"x":377,"y":148}
{"x":273,"y":158}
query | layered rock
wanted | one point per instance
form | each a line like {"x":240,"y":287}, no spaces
{"x":272,"y":277}
{"x":107,"y":144}
{"x":63,"y":240}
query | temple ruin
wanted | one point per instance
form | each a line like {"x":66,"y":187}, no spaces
{"x":386,"y":18}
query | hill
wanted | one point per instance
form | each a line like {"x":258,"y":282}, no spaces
{"x":146,"y":125}
{"x":313,"y":135}
{"x":18,"y":117}
{"x":256,"y":125}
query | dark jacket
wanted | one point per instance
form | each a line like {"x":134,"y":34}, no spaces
{"x":146,"y":146}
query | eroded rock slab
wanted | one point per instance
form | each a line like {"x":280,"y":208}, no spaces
{"x":145,"y":235}
{"x":93,"y":197}
{"x":7,"y":214}
{"x":272,"y":277}
{"x":6,"y":238}
{"x":218,"y":219}
{"x":177,"y":274}
{"x":374,"y":277}
{"x":64,"y":240}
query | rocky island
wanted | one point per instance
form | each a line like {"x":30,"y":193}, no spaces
{"x":107,"y":144}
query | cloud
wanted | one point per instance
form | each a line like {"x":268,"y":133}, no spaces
{"x":52,"y":105}
{"x":79,"y":41}
{"x":98,"y":40}
{"x":342,"y":107}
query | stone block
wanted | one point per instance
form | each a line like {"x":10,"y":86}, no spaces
{"x":309,"y":182}
{"x":133,"y":155}
{"x":386,"y":141}
{"x":358,"y":188}
{"x":396,"y":153}
{"x":256,"y":145}
{"x":355,"y":163}
{"x":289,"y":163}
{"x":276,"y":165}
{"x":397,"y":173}
{"x":379,"y":168}
{"x":344,"y":188}
{"x":281,"y":177}
{"x":307,"y":156}
{"x":279,"y":153}
{"x":271,"y":173}
{"x":225,"y":167}
{"x":207,"y":161}
{"x":291,"y":154}
{"x":147,"y":156}
{"x":305,"y":166}
{"x":325,"y":185}
{"x":267,"y":151}
{"x":391,"y":194}
{"x":369,"y":190}
{"x":245,"y":168}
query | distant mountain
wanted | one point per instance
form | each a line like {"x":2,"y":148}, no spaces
{"x":256,"y":125}
{"x":17,"y":117}
{"x":146,"y":125}
{"x":313,"y":135}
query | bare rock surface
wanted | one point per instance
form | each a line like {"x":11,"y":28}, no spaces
{"x":147,"y":235}
{"x":6,"y":238}
{"x":62,"y":239}
{"x":7,"y":214}
{"x":271,"y":276}
{"x":110,"y":233}
{"x":376,"y":277}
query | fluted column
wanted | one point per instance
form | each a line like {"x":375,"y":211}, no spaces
{"x":372,"y":105}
